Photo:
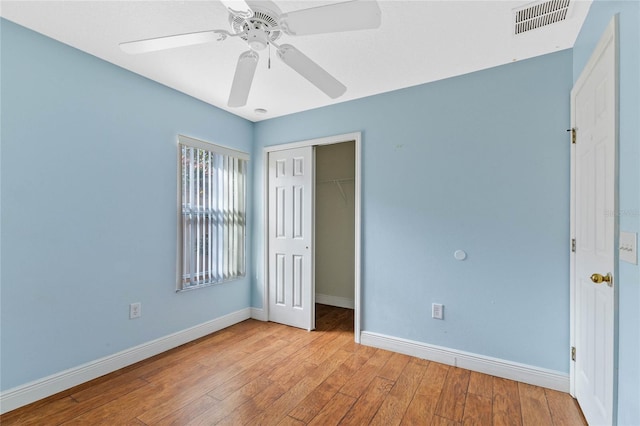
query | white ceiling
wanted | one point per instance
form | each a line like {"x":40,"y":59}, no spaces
{"x":418,"y":42}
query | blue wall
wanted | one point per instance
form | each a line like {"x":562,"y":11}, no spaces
{"x":628,"y":282}
{"x":478,"y":162}
{"x":89,"y":207}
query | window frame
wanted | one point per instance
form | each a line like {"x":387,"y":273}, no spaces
{"x":181,"y":228}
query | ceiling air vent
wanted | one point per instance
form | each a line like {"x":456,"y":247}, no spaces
{"x":540,"y":14}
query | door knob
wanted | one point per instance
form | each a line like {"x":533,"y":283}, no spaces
{"x":599,"y":279}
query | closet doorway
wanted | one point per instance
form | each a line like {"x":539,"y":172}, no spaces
{"x":335,"y":224}
{"x":332,"y":276}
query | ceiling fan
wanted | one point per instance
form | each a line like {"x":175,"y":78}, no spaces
{"x":261,"y":23}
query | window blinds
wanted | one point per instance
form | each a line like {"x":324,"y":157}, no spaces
{"x":212,"y":192}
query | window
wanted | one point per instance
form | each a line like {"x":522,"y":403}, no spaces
{"x":212,"y":213}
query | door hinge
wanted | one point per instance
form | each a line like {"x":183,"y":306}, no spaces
{"x":573,"y":135}
{"x":573,"y":245}
{"x":573,"y":353}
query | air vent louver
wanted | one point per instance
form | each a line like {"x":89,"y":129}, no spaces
{"x":540,"y":14}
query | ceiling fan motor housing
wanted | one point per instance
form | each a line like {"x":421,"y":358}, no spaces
{"x":262,"y":28}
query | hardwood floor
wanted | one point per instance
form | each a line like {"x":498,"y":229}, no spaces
{"x":261,"y":373}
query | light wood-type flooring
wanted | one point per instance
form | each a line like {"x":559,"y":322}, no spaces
{"x":259,"y":373}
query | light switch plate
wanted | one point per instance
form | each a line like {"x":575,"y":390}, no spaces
{"x":629,"y":247}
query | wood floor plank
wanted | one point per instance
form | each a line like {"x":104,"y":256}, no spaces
{"x":121,"y":410}
{"x":329,"y":348}
{"x":360,"y":381}
{"x":229,"y":356}
{"x":216,"y":377}
{"x":248,"y":375}
{"x":60,"y":410}
{"x":309,"y":407}
{"x":534,"y":406}
{"x":296,"y":372}
{"x":506,"y":403}
{"x":274,"y":361}
{"x":247,"y":393}
{"x":477,"y":410}
{"x":454,"y":393}
{"x":334,"y":410}
{"x":352,"y":346}
{"x":291,"y":398}
{"x":564,"y":409}
{"x":394,"y":366}
{"x":182,"y":415}
{"x":395,"y":405}
{"x":363,"y":410}
{"x":108,"y":390}
{"x":259,"y":403}
{"x":189,"y":384}
{"x":481,"y":384}
{"x":425,"y":400}
{"x":290,"y":421}
{"x":442,"y":421}
{"x":316,"y":400}
{"x":319,"y":378}
{"x":305,"y":357}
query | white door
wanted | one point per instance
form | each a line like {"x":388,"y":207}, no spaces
{"x":594,"y":118}
{"x":291,"y":293}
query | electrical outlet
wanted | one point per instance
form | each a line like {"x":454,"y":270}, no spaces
{"x":135,"y":310}
{"x":437,"y":311}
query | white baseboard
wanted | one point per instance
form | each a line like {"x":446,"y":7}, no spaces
{"x":493,"y":366}
{"x":47,"y":386}
{"x":259,"y":314}
{"x":340,"y":302}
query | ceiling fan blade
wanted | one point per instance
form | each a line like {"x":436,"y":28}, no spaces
{"x":246,"y":68}
{"x":347,"y":16}
{"x":169,"y":42}
{"x":238,"y":8}
{"x":311,"y":71}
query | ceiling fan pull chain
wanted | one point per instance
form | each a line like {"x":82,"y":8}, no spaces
{"x":269,"y":61}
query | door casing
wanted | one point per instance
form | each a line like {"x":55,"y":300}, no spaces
{"x":329,"y":140}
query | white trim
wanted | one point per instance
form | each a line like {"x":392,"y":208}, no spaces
{"x":356,"y":137}
{"x":341,"y":302}
{"x":50,"y":385}
{"x":484,"y":364}
{"x":259,"y":314}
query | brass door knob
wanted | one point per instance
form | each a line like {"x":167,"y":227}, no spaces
{"x":599,"y":279}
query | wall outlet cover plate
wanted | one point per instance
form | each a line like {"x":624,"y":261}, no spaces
{"x":629,"y":247}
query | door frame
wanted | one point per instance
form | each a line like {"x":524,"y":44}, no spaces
{"x":609,"y":36}
{"x":355,"y":137}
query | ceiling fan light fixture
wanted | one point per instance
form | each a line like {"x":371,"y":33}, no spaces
{"x":257,"y":39}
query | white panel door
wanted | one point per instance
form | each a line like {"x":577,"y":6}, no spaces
{"x":291,"y":237}
{"x":594,"y":115}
